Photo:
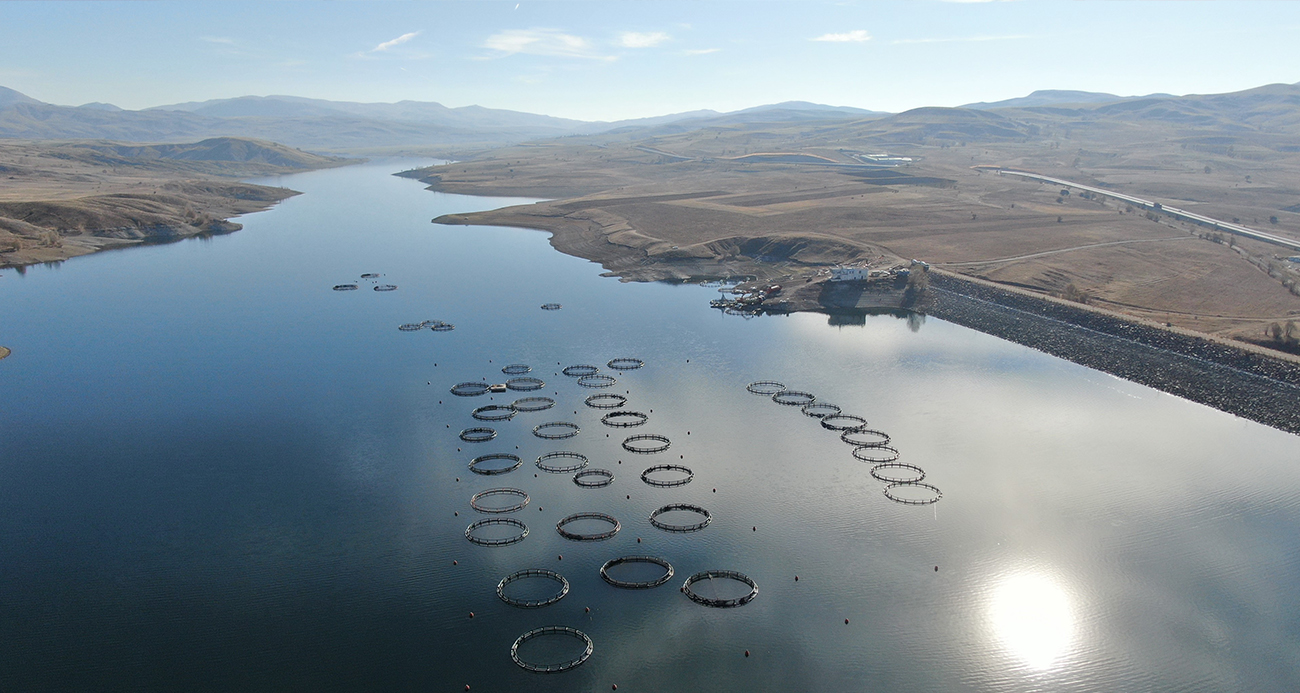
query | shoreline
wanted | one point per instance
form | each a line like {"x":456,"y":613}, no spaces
{"x":1242,"y":379}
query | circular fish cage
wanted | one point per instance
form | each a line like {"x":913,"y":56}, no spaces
{"x":439,"y":326}
{"x":532,"y":404}
{"x":533,"y":573}
{"x":525,"y":384}
{"x":597,"y":381}
{"x":720,"y":575}
{"x":636,"y":584}
{"x":885,"y":471}
{"x":843,"y":422}
{"x":580,"y":370}
{"x":624,"y":419}
{"x":371,"y":275}
{"x":865,"y":437}
{"x":794,"y":398}
{"x":517,"y":369}
{"x":554,"y":462}
{"x":556,"y":667}
{"x":477,"y":500}
{"x":662,"y":483}
{"x":494,"y":412}
{"x":411,"y":327}
{"x":693,"y":527}
{"x":470,"y":389}
{"x":496,"y":541}
{"x":588,"y":536}
{"x":478,"y":434}
{"x":606,"y":400}
{"x":913,"y":493}
{"x":346,"y":287}
{"x":819,"y":410}
{"x":386,"y":287}
{"x":765,"y":387}
{"x":556,"y":430}
{"x":646,"y":443}
{"x":477,"y":465}
{"x":876,"y":454}
{"x":551,"y":306}
{"x":625,"y":364}
{"x":594,"y":478}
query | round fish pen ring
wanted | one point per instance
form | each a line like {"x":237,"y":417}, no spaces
{"x":645,"y":476}
{"x":517,"y":369}
{"x":470,"y":389}
{"x":715,"y":602}
{"x":661,"y":443}
{"x":880,"y":473}
{"x":639,"y":584}
{"x":594,"y":536}
{"x":512,"y":539}
{"x":580,"y":370}
{"x":594,"y":478}
{"x":765,"y":387}
{"x":877,"y":454}
{"x":894,"y":493}
{"x":597,"y":381}
{"x":606,"y":400}
{"x":551,"y":668}
{"x":411,"y":327}
{"x":533,"y":573}
{"x":843,"y":422}
{"x":386,"y":287}
{"x":819,"y":410}
{"x":478,"y":434}
{"x":475,"y":464}
{"x":695,"y":527}
{"x":556,"y":430}
{"x":532,"y":403}
{"x":442,"y":326}
{"x":474,"y":501}
{"x":551,"y":306}
{"x":794,"y":398}
{"x":624,"y":419}
{"x":525,"y":384}
{"x":494,"y":412}
{"x":346,"y":287}
{"x":625,"y":364}
{"x":865,"y":437}
{"x":546,"y":462}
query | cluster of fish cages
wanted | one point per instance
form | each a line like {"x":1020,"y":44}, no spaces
{"x":435,"y":325}
{"x":903,"y":482}
{"x":529,"y":588}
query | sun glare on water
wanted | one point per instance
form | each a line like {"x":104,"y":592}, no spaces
{"x":1032,"y":616}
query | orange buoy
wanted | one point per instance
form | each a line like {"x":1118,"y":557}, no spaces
{"x":560,"y":558}
{"x":455,"y":562}
{"x":846,"y":621}
{"x":586,"y":609}
{"x":746,"y":653}
{"x":471,"y":614}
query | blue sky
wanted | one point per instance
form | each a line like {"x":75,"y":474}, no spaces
{"x":611,"y":60}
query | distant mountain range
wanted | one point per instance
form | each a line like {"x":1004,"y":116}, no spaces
{"x":322,"y":125}
{"x":1271,"y":111}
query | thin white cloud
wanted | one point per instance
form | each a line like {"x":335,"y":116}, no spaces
{"x":638,"y":39}
{"x":855,"y":36}
{"x":962,"y":39}
{"x":701,"y":51}
{"x":395,"y":42}
{"x":550,"y":42}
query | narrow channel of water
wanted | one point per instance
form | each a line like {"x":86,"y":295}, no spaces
{"x":217,"y":473}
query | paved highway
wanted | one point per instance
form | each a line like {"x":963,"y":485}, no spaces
{"x":1171,"y":211}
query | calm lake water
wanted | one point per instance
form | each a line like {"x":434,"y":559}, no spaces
{"x":219,"y":474}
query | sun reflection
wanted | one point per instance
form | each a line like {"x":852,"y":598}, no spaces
{"x":1032,"y":616}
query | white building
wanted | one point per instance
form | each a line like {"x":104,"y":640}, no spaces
{"x":849,"y":274}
